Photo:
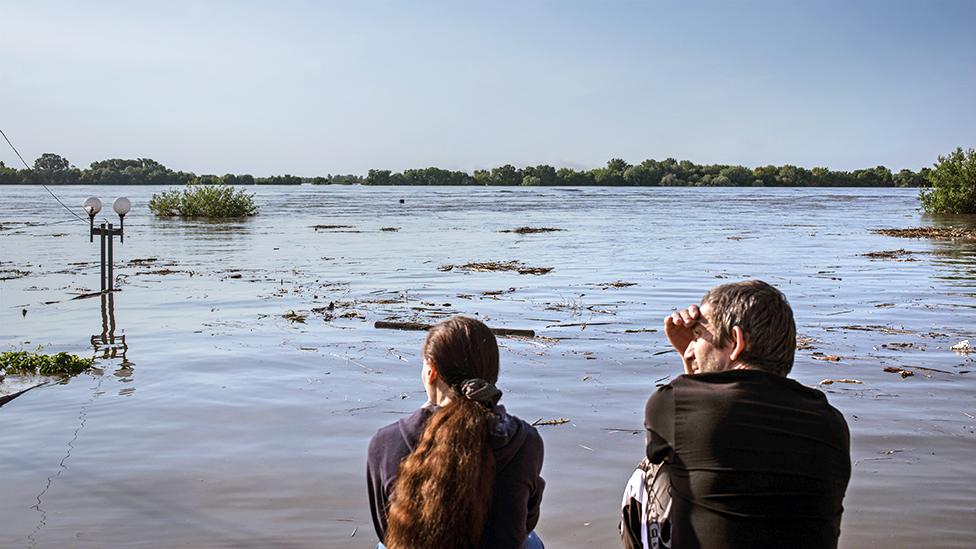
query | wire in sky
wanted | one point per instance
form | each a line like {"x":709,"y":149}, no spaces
{"x":72,"y":212}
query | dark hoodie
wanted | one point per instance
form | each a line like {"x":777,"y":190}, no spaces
{"x":518,"y":462}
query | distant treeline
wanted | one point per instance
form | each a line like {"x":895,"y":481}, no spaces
{"x":53,"y":169}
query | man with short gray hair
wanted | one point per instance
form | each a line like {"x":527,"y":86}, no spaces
{"x":737,"y":454}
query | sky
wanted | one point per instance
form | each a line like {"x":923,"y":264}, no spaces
{"x":315,"y":88}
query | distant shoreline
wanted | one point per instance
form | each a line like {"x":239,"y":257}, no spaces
{"x":488,"y":186}
{"x":52,"y":169}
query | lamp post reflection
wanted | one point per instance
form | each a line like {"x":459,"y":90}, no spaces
{"x":107,"y":344}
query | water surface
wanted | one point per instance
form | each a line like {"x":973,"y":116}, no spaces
{"x":235,"y":427}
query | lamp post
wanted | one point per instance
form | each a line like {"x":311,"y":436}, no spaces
{"x":106,"y":232}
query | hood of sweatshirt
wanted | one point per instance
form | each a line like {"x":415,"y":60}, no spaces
{"x":507,"y":437}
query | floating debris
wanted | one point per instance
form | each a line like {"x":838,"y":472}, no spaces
{"x":962,"y":347}
{"x":804,"y":343}
{"x":86,"y":295}
{"x":330,"y":227}
{"x":387,"y":301}
{"x":531,"y":230}
{"x":327,"y":309}
{"x":901,"y":371}
{"x":842,"y":380}
{"x":494,"y":266}
{"x":622,"y":430}
{"x":616,"y":284}
{"x":898,"y":346}
{"x":891,"y":254}
{"x":582,"y":325}
{"x":420,"y":326}
{"x":141,"y":262}
{"x":534,"y":270}
{"x":390,"y":229}
{"x":494,"y":293}
{"x":827,"y":358}
{"x":930,"y":232}
{"x":163,"y":272}
{"x":872,"y":328}
{"x":10,"y":274}
{"x":293,"y":316}
{"x":574,"y":306}
{"x":559,"y":421}
{"x":640,"y":331}
{"x":936,"y":370}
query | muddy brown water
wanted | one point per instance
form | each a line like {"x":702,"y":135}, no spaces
{"x":232,"y":426}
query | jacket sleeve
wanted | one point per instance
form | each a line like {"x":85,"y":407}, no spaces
{"x":374,"y":486}
{"x":535,"y":493}
{"x":659,"y":423}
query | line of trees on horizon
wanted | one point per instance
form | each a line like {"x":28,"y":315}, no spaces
{"x":53,"y":169}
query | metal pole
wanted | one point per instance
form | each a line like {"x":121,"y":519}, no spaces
{"x":101,"y":232}
{"x":111,"y":238}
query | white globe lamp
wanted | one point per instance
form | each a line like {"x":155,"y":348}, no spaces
{"x":121,"y":206}
{"x":93,"y":206}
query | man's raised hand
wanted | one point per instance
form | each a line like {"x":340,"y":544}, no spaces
{"x":679,"y":328}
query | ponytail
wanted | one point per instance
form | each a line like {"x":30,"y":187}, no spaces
{"x":442,"y":495}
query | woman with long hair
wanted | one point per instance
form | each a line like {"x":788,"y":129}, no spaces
{"x":459,"y":472}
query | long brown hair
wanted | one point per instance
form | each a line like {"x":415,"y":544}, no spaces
{"x":441,"y":498}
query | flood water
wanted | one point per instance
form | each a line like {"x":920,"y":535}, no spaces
{"x":232,"y":426}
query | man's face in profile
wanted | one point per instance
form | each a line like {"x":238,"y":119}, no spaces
{"x":703,"y":352}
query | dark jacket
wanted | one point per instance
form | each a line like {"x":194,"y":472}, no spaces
{"x":755,"y":460}
{"x":518,"y":484}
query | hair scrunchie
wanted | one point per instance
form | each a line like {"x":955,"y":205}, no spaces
{"x":480,"y":390}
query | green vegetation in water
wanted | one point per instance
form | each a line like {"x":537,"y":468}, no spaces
{"x":209,"y":201}
{"x":24,"y":363}
{"x":953,"y":184}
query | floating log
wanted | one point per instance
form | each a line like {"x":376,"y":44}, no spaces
{"x":420,"y":326}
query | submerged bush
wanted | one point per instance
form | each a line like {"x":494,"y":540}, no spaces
{"x":23,"y":363}
{"x":953,"y":184}
{"x":210,"y":201}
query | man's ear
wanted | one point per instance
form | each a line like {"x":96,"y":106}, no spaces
{"x":739,"y":343}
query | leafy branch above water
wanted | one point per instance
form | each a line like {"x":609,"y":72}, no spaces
{"x":953,"y":184}
{"x":207,"y":201}
{"x":24,"y":363}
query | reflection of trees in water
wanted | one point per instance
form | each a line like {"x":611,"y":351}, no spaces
{"x":203,"y":236}
{"x":203,"y":229}
{"x":955,"y":266}
{"x":954,"y":260}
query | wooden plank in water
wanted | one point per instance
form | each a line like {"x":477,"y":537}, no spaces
{"x":420,"y":326}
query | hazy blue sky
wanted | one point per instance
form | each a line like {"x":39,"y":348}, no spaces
{"x":311,"y":88}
